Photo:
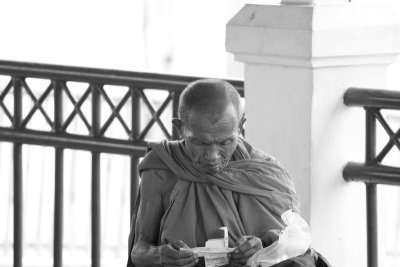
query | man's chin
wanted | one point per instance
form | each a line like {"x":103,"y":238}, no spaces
{"x":211,"y":170}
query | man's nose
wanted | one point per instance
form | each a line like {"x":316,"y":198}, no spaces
{"x":212,"y":153}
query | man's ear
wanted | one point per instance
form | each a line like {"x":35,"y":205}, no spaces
{"x":178,"y":126}
{"x":241,"y":124}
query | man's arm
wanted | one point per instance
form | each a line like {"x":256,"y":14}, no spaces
{"x":145,"y":251}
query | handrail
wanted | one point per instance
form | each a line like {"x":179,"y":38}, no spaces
{"x":376,"y":174}
{"x":103,"y":76}
{"x":372,"y":98}
{"x":74,"y":141}
{"x":372,"y":172}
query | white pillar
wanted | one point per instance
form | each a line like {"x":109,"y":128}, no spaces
{"x":299,"y":61}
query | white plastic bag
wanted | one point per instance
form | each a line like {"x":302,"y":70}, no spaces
{"x":293,"y":241}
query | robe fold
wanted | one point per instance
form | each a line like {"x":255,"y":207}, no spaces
{"x":247,"y":196}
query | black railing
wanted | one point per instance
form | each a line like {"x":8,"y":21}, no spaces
{"x":59,"y":137}
{"x":373,"y":172}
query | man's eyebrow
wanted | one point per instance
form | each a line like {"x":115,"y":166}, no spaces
{"x":193,"y":138}
{"x":201,"y":140}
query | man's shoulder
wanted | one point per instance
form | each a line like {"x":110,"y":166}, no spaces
{"x":154,"y":171}
{"x":151,"y":161}
{"x":256,"y":153}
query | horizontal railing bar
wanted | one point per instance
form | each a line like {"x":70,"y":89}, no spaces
{"x":372,"y":98}
{"x":102,"y":76}
{"x":72,"y":141}
{"x":376,"y":174}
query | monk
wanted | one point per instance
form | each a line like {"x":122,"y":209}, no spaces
{"x":210,"y":178}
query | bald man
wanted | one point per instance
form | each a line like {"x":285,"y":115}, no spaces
{"x":209,"y":179}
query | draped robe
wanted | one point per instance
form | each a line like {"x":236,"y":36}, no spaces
{"x":247,"y":196}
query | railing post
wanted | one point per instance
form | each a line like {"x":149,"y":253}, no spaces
{"x":96,"y":226}
{"x":18,"y":182}
{"x":59,"y":179}
{"x":175,"y":104}
{"x":134,"y":159}
{"x":371,"y":194}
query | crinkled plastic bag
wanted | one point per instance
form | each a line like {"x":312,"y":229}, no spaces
{"x":293,"y":241}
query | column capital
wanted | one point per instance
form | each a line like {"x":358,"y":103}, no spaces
{"x":314,"y":35}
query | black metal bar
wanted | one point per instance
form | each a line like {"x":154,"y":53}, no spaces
{"x":393,"y":136}
{"x":59,"y":179}
{"x":8,"y":114}
{"x":175,"y":105}
{"x":18,"y":205}
{"x":372,"y":226}
{"x":96,"y":226}
{"x":18,"y":182}
{"x":2,"y":96}
{"x":37,"y":104}
{"x":6,"y":89}
{"x":103,"y":76}
{"x":77,"y":106}
{"x":385,"y":150}
{"x":155,"y":116}
{"x":134,"y":183}
{"x":372,"y":214}
{"x":72,"y":141}
{"x":372,"y":98}
{"x":136,"y":111}
{"x":58,"y":207}
{"x":384,"y":124}
{"x":115,"y":112}
{"x":370,"y":138}
{"x":375,"y":174}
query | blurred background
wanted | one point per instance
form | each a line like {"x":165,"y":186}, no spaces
{"x":184,"y":37}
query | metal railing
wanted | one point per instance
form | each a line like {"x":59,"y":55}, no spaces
{"x":372,"y":172}
{"x":95,"y":141}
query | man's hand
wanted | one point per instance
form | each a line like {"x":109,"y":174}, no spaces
{"x":171,"y":255}
{"x":270,"y":237}
{"x":246,"y":246}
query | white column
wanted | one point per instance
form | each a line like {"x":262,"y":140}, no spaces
{"x":299,"y":61}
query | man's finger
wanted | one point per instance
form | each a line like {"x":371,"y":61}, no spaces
{"x":241,"y":240}
{"x":245,"y":250}
{"x":170,"y":252}
{"x":245,"y":254}
{"x":251,"y":242}
{"x":178,"y":244}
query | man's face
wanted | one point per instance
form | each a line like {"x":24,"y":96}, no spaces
{"x":210,"y":140}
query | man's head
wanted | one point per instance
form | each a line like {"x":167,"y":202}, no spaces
{"x":209,"y":120}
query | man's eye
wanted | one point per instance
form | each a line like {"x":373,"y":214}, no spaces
{"x":198,"y":143}
{"x":226,"y":142}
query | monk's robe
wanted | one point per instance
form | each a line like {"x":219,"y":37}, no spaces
{"x":248,"y":196}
